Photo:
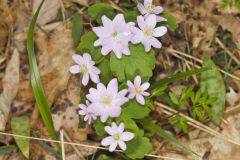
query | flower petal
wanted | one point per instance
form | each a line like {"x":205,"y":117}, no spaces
{"x":151,"y":20}
{"x":112,"y":87}
{"x":94,"y":77}
{"x":155,"y":42}
{"x":161,"y":19}
{"x":159,"y":31}
{"x":121,"y":128}
{"x":106,"y":49}
{"x":137,"y":81}
{"x":122,"y":145}
{"x":107,"y":141}
{"x":75,"y":69}
{"x":78,"y":59}
{"x":127,"y":136}
{"x":109,"y":130}
{"x":85,"y":79}
{"x":141,"y":22}
{"x":147,"y":3}
{"x":145,"y":94}
{"x":145,"y":86}
{"x":87,"y":57}
{"x":140,"y":99}
{"x":113,"y":146}
{"x":141,"y":9}
{"x":158,"y":10}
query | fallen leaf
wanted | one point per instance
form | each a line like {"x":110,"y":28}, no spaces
{"x":48,"y":11}
{"x":21,"y":126}
{"x":10,"y":87}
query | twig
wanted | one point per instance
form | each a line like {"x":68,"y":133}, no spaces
{"x":227,"y":51}
{"x":62,"y":144}
{"x":81,"y":145}
{"x":198,"y":125}
{"x":74,"y":147}
{"x":172,"y":51}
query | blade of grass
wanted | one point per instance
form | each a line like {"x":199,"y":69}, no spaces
{"x":149,"y":125}
{"x":36,"y":81}
{"x":8,"y":149}
{"x":178,"y":76}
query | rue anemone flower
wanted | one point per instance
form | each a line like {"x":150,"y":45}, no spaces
{"x":85,"y":65}
{"x":138,"y":90}
{"x":147,"y":8}
{"x":148,"y":34}
{"x":88,"y":115}
{"x":107,"y":101}
{"x":117,"y":137}
{"x":114,"y":35}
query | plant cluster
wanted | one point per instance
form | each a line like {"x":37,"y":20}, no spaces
{"x":118,"y":57}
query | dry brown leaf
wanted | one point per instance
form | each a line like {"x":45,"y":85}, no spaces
{"x":48,"y":11}
{"x":81,"y":2}
{"x":10,"y":88}
{"x":65,"y":107}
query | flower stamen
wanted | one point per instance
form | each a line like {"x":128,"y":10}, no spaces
{"x":106,"y":100}
{"x":116,"y":137}
{"x":114,"y":34}
{"x":148,"y":32}
{"x":138,"y":90}
{"x":150,"y":8}
{"x":84,"y":69}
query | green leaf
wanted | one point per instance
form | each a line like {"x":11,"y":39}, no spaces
{"x":178,"y":76}
{"x":212,"y":83}
{"x":106,"y":74}
{"x":173,"y":98}
{"x":97,"y":10}
{"x":149,"y":125}
{"x":77,"y":28}
{"x":131,"y":16}
{"x":138,"y":63}
{"x":137,"y":147}
{"x":183,"y":124}
{"x":21,"y":126}
{"x":86,"y":45}
{"x":99,"y":128}
{"x":8,"y":149}
{"x":105,"y":157}
{"x":171,"y":21}
{"x":158,"y":91}
{"x":36,"y":81}
{"x":134,"y":110}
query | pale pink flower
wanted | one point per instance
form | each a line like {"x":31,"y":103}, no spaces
{"x":138,"y":90}
{"x":88,"y":115}
{"x":114,"y":36}
{"x":117,"y":137}
{"x":85,"y":65}
{"x":107,"y":101}
{"x":148,"y":8}
{"x":147,"y":34}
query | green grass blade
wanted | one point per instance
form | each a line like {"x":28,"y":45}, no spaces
{"x":149,"y":125}
{"x":36,"y":81}
{"x":8,"y":149}
{"x":167,"y":80}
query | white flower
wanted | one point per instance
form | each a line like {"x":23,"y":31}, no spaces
{"x":138,"y":90}
{"x":107,"y":101}
{"x":114,"y":36}
{"x":85,"y":65}
{"x":117,"y":137}
{"x":148,"y":8}
{"x":147,"y":34}
{"x":88,"y":115}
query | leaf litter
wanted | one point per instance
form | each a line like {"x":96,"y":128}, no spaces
{"x":199,"y":23}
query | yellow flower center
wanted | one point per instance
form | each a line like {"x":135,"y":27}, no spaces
{"x":84,"y":69}
{"x":148,"y":32}
{"x":138,"y":90}
{"x":106,"y":100}
{"x":116,"y":137}
{"x":150,"y":8}
{"x":114,"y":34}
